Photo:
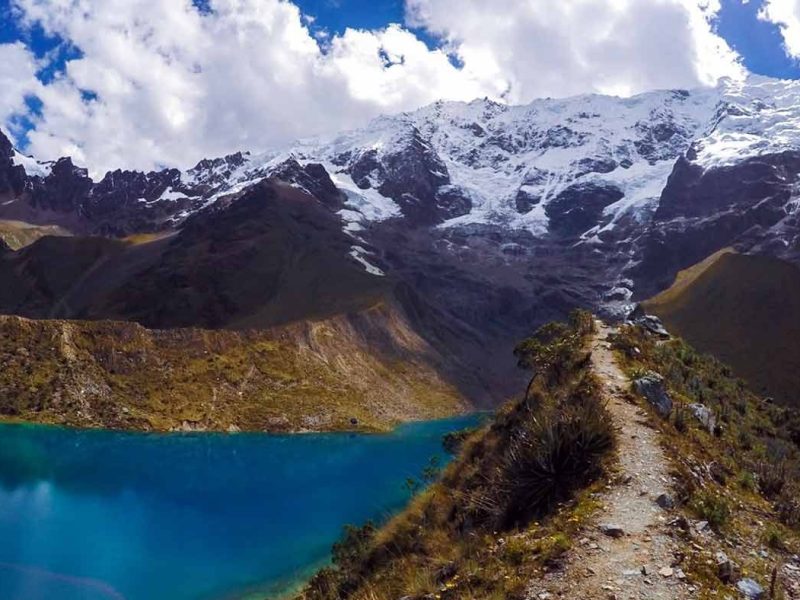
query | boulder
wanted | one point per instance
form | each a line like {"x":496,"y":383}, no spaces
{"x":614,"y":531}
{"x":704,"y":415}
{"x":724,"y":567}
{"x":665,"y":501}
{"x":750,"y":589}
{"x":651,"y":385}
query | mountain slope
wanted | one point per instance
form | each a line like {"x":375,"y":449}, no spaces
{"x":268,"y":257}
{"x":360,"y":371}
{"x":655,"y":182}
{"x":669,"y":515}
{"x":746,"y":311}
{"x":480,"y":221}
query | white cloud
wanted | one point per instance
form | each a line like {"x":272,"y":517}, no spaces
{"x":160,"y":83}
{"x":547,"y":48}
{"x":17,"y":81}
{"x":786,"y":15}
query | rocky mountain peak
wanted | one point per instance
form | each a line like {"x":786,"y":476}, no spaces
{"x":617,"y":181}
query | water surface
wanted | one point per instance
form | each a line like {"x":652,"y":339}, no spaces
{"x":99,"y":515}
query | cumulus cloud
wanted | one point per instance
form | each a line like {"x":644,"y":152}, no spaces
{"x":163,"y":83}
{"x":17,"y":81}
{"x":786,"y":15}
{"x":543,"y":48}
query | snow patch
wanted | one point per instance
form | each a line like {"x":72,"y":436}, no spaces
{"x":32,"y":167}
{"x":359,"y":253}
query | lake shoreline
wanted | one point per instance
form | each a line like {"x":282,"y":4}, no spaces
{"x":366,"y":429}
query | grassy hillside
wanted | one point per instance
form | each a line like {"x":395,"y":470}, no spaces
{"x":316,"y":375}
{"x":506,"y":509}
{"x":18,"y":234}
{"x":741,"y":477}
{"x":525,"y":490}
{"x":746,"y":311}
{"x":270,"y":257}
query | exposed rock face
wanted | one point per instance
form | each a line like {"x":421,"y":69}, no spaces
{"x":12,"y":176}
{"x":485,"y":219}
{"x":652,"y":387}
{"x":579,"y":207}
{"x":312,"y":178}
{"x":650,"y":323}
{"x":747,"y":204}
{"x":704,"y":416}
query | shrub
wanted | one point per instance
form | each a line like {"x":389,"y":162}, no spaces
{"x":772,"y":477}
{"x":745,"y":440}
{"x":454,"y":440}
{"x":681,"y":418}
{"x":515,"y":550}
{"x":774,"y":538}
{"x":553,"y":349}
{"x":582,"y":322}
{"x":354,"y":545}
{"x":552,"y":547}
{"x":747,"y":481}
{"x":549,"y":457}
{"x":712,"y":508}
{"x":788,"y":508}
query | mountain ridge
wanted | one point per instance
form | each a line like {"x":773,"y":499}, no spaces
{"x":481,"y":221}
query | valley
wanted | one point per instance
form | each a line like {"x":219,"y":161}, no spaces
{"x":471,"y":223}
{"x":380,"y":279}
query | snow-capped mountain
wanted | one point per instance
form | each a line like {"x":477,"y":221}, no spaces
{"x":609,"y":196}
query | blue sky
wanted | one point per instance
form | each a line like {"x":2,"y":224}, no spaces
{"x":757,"y":41}
{"x":268,"y":71}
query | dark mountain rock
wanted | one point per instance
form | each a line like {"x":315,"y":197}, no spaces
{"x":250,"y":262}
{"x":313,"y":178}
{"x":595,"y":165}
{"x":411,"y":174}
{"x":524,"y":201}
{"x":209,"y":173}
{"x":12,"y":177}
{"x":704,"y":210}
{"x":63,"y":190}
{"x":579,"y":207}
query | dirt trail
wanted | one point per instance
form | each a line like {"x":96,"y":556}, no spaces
{"x":642,"y":562}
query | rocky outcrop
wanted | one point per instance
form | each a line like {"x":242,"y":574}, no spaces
{"x":704,"y":415}
{"x":312,"y":178}
{"x":414,"y":176}
{"x":12,"y":177}
{"x":652,"y":387}
{"x":702,"y":210}
{"x":650,"y":323}
{"x":579,"y":207}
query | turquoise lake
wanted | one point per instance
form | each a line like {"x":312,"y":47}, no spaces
{"x":99,"y":515}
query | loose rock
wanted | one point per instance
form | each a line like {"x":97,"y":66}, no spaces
{"x":750,"y":589}
{"x":705,"y":416}
{"x":613,"y":531}
{"x":665,"y":501}
{"x":651,"y":386}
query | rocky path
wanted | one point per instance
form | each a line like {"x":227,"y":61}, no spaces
{"x":627,"y":553}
